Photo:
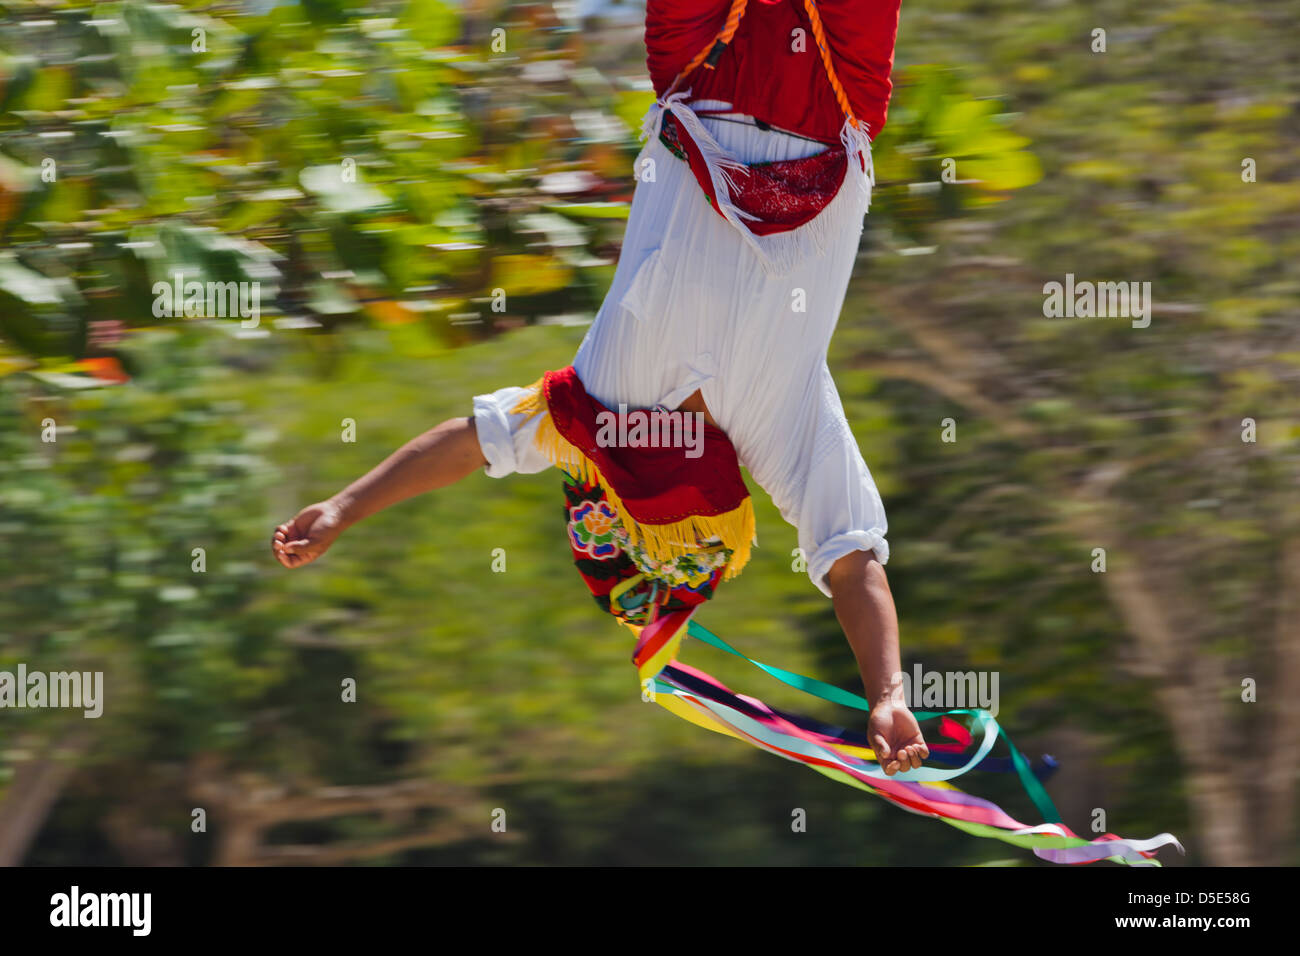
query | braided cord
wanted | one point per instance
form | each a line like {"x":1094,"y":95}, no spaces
{"x":724,"y":37}
{"x":709,"y":55}
{"x":819,"y":35}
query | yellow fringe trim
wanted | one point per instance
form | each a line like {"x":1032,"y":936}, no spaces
{"x":735,"y":528}
{"x":533,"y":401}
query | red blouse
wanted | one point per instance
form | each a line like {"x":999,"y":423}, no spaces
{"x":769,"y":71}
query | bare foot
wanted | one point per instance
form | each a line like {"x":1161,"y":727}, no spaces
{"x":308,"y":536}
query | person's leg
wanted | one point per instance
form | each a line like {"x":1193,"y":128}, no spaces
{"x":495,"y":438}
{"x":864,"y":607}
{"x":695,"y":403}
{"x":441,"y":456}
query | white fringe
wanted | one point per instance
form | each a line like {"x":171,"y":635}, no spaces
{"x":856,"y":144}
{"x":779,"y":253}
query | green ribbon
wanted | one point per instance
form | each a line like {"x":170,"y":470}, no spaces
{"x":838,"y":695}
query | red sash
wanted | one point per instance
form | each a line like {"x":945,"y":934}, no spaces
{"x":782,"y":195}
{"x":655,"y":486}
{"x":648,"y":525}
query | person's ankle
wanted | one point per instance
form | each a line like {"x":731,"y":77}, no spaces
{"x":344,"y":509}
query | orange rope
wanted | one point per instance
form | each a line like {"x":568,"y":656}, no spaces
{"x":724,"y":37}
{"x":819,"y":34}
{"x":711,"y":53}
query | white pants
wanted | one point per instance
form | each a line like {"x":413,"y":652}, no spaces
{"x":691,"y":307}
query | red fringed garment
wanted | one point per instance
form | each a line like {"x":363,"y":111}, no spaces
{"x":774,"y":73}
{"x":781,"y":195}
{"x":656,"y":486}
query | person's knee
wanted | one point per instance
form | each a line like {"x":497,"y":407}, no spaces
{"x":854,"y":568}
{"x":695,"y":403}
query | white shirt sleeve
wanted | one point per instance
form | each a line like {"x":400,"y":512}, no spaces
{"x":508,"y":440}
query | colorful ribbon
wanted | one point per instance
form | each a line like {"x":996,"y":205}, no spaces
{"x":845,"y":755}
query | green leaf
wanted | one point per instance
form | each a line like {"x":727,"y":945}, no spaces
{"x":631,"y":105}
{"x":591,"y":210}
{"x":1009,"y":171}
{"x":431,"y":22}
{"x":338,"y":195}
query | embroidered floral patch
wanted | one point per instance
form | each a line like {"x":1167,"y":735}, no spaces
{"x":605,"y":559}
{"x":591,"y":529}
{"x":691,"y":571}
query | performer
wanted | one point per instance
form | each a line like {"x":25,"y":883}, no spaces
{"x":709,"y":351}
{"x":744,"y":227}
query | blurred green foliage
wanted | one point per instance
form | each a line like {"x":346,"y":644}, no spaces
{"x":379,"y":162}
{"x":326,"y":152}
{"x":480,"y":170}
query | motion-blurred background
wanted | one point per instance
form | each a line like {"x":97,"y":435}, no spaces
{"x":388,"y":172}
